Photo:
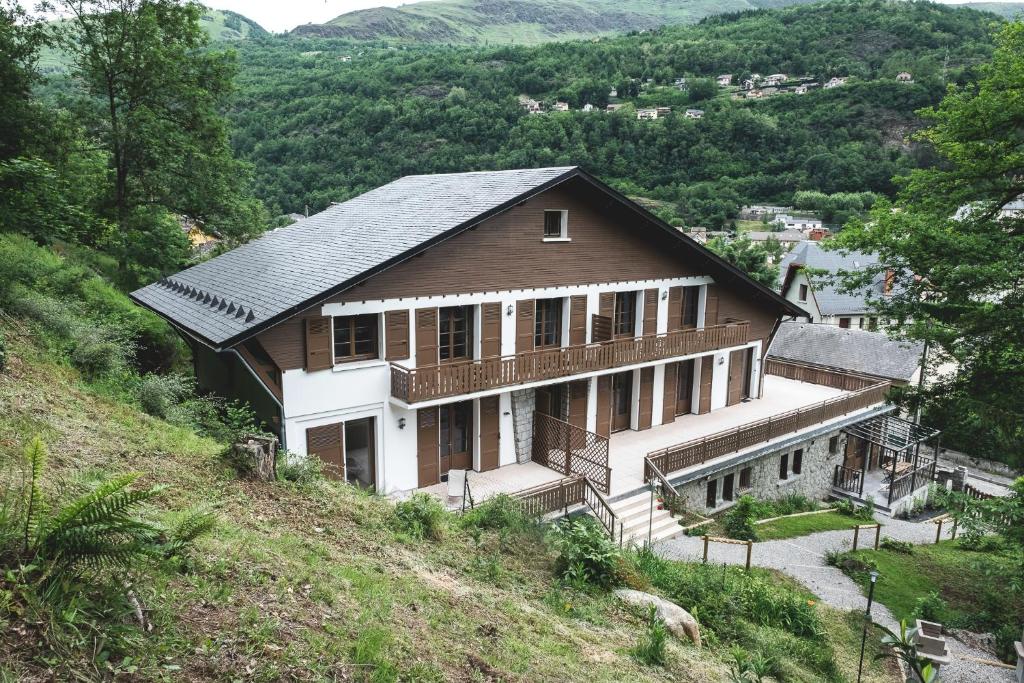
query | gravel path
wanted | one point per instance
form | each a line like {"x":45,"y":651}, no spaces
{"x":803,"y":558}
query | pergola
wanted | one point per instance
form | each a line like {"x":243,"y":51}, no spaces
{"x":899,"y":442}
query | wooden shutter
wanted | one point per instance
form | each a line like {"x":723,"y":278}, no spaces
{"x":578,"y":320}
{"x":396,"y":328}
{"x":668,"y":406}
{"x":490,"y":330}
{"x":427,"y":440}
{"x":318,"y":344}
{"x":711,"y":307}
{"x":600,"y":328}
{"x":606,"y":304}
{"x":489,"y":432}
{"x":707,"y":369}
{"x":651,"y":311}
{"x":327,"y":442}
{"x":604,"y":405}
{"x":646,"y":397}
{"x":525,"y":310}
{"x":426,"y":336}
{"x":675,"y":309}
{"x":735,"y":394}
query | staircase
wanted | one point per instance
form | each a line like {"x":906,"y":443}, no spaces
{"x":634,"y":514}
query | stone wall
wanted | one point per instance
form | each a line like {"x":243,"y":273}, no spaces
{"x":523,"y":403}
{"x":814,"y":480}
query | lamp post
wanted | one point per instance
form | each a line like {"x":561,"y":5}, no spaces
{"x":867,"y":620}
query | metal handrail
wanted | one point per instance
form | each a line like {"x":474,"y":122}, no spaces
{"x":467,"y":493}
{"x":605,"y":507}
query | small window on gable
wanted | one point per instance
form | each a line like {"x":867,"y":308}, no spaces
{"x":803,"y":293}
{"x":555,"y":224}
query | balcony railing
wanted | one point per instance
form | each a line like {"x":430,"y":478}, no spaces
{"x":453,"y":379}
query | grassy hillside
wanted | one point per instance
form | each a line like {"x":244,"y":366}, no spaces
{"x":307,"y":579}
{"x":523,"y":22}
{"x":227,"y":26}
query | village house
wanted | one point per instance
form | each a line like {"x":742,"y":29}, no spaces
{"x":680,"y":83}
{"x":694,"y":113}
{"x":613,"y":107}
{"x":835,"y":82}
{"x":529,"y":104}
{"x":802,"y":223}
{"x":506,"y":330}
{"x":807,"y":275}
{"x":754,"y":94}
{"x":748,"y":84}
{"x":758,"y":211}
{"x":647,"y":114}
{"x":588,"y":107}
{"x":775,"y":79}
{"x":787,"y":239}
{"x":560,"y":106}
{"x":904,"y":77}
{"x":613,"y":93}
{"x":801,"y":89}
{"x":724,"y":80}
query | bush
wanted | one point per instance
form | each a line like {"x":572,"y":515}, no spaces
{"x":902,"y":547}
{"x":502,"y":512}
{"x":421,"y":516}
{"x":931,"y":607}
{"x":586,"y":556}
{"x":651,"y":648}
{"x":98,"y":352}
{"x":790,"y":505}
{"x":739,"y":521}
{"x":159,"y":394}
{"x":864,"y":512}
{"x":298,"y":469}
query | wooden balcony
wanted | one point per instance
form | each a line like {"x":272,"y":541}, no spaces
{"x":414,"y":385}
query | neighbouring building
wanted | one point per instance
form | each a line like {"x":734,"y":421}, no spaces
{"x":647,"y":114}
{"x":797,"y":222}
{"x":787,"y":239}
{"x":522,"y":327}
{"x":560,"y":106}
{"x":904,"y":77}
{"x":757,"y":211}
{"x":835,"y":82}
{"x":529,"y":104}
{"x":775,"y":79}
{"x":694,"y":113}
{"x":724,"y":80}
{"x":588,"y":107}
{"x":807,"y":278}
{"x":613,"y":107}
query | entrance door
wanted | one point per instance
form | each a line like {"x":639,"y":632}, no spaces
{"x":550,"y":400}
{"x":684,"y":387}
{"x":622,"y":400}
{"x":360,"y":454}
{"x":455,"y":451}
{"x":489,"y":426}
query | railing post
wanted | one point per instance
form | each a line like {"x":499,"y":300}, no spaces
{"x":856,"y":535}
{"x":878,"y":535}
{"x":705,"y":537}
{"x":750,"y":548}
{"x":938,"y":530}
{"x":568,"y":449}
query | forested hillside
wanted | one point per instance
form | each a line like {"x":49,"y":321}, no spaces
{"x":323,"y":120}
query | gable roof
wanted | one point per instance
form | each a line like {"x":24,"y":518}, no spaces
{"x":830,"y":298}
{"x":872,"y":353}
{"x":231,"y":297}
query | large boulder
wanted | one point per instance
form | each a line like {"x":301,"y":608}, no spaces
{"x":679,"y":622}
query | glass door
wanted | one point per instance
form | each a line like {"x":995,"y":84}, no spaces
{"x":622,"y":400}
{"x":456,"y":420}
{"x":360,"y":455}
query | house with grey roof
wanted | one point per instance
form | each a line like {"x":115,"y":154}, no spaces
{"x":473,"y":333}
{"x":810,"y":278}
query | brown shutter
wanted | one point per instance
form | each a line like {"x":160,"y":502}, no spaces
{"x":426,"y":336}
{"x":489,"y":432}
{"x":735,"y":384}
{"x":646,"y":397}
{"x":606,"y":304}
{"x":327,"y":442}
{"x":396,"y":328}
{"x":578,"y":391}
{"x":668,"y":407}
{"x":651,"y":311}
{"x":711,"y":307}
{"x":490,"y":330}
{"x":675,"y":309}
{"x":600,"y":328}
{"x":578,"y":320}
{"x":525,"y":332}
{"x":604,"y":405}
{"x":707,"y":368}
{"x":427,"y":440}
{"x":318,"y":344}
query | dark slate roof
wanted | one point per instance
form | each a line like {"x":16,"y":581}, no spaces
{"x":832,"y":301}
{"x":872,"y":353}
{"x":235,"y":295}
{"x":228,"y":295}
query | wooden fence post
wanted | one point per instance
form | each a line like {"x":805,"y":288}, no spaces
{"x":953,"y":535}
{"x":750,"y":548}
{"x":856,"y":535}
{"x":705,"y":548}
{"x":878,"y":535}
{"x":938,"y":530}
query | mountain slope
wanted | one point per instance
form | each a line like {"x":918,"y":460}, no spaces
{"x":1009,"y":10}
{"x":228,"y":25}
{"x":520,"y":21}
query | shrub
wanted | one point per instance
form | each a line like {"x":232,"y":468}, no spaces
{"x":739,"y":521}
{"x":791,"y":504}
{"x":159,"y":394}
{"x":502,"y":512}
{"x":586,"y":555}
{"x":298,"y":469}
{"x":930,"y":607}
{"x":98,"y":352}
{"x":650,"y":649}
{"x":864,"y":512}
{"x":902,"y":547}
{"x":421,"y":516}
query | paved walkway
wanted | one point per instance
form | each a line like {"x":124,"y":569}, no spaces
{"x":803,"y":558}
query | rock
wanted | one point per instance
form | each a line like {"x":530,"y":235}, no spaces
{"x":679,"y":622}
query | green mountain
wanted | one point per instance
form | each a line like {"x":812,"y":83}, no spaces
{"x":227,"y":25}
{"x":1009,"y":10}
{"x":521,"y":21}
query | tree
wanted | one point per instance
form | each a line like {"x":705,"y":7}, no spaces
{"x":958,"y":257}
{"x":157,"y":92}
{"x":750,"y":257}
{"x":19,"y":45}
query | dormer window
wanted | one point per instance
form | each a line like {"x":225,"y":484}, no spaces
{"x":556,"y":225}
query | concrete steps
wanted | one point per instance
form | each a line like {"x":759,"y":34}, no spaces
{"x":635,"y":516}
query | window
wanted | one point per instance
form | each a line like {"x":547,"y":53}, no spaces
{"x":454,"y":325}
{"x":727,"y":483}
{"x":689,"y":317}
{"x":712,"y":496}
{"x":844,"y":323}
{"x":833,"y":445}
{"x":860,"y":323}
{"x":624,"y":323}
{"x":745,"y":478}
{"x":548,"y":323}
{"x":803,"y":293}
{"x":355,"y":337}
{"x":555,"y":224}
{"x":784,"y":466}
{"x":798,"y":460}
{"x":872,"y":324}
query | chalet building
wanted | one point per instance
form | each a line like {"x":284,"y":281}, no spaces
{"x":533,"y":328}
{"x":904,"y":77}
{"x":694,"y":113}
{"x":807,"y":279}
{"x":835,"y":82}
{"x":724,"y":80}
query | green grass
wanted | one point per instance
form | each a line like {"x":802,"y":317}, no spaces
{"x":791,"y":527}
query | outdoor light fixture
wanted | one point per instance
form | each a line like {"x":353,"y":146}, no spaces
{"x":867,"y":620}
{"x":664,"y":295}
{"x":508,"y":311}
{"x":721,"y":360}
{"x":401,"y":423}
